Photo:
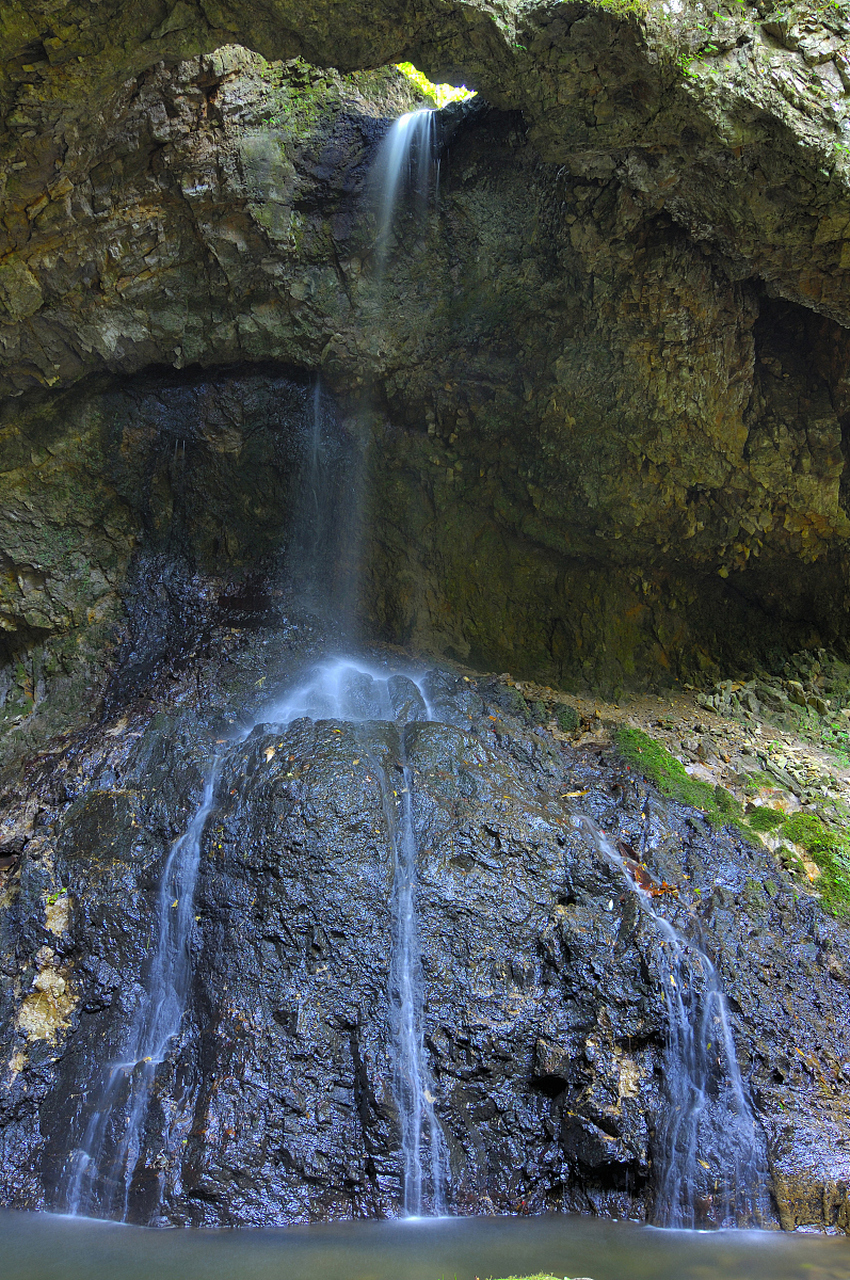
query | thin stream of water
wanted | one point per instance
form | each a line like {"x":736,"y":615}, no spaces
{"x":351,"y":689}
{"x":412,"y":1085}
{"x":707,"y":1151}
{"x":406,"y":167}
{"x":100,"y":1172}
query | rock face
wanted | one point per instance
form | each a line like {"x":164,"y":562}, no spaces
{"x":738,"y":122}
{"x":596,"y":405}
{"x":544,"y":1014}
{"x":568,"y":394}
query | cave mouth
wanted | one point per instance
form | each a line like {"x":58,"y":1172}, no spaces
{"x":541,"y":498}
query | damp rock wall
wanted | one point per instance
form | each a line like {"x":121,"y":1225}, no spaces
{"x":604,"y":453}
{"x":543,"y":1016}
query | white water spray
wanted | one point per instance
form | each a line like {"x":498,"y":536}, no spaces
{"x":406,"y":168}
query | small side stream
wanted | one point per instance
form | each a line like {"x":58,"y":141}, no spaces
{"x":708,"y":1155}
{"x":100,"y":1169}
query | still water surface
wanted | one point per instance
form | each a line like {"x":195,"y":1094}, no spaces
{"x":48,"y":1247}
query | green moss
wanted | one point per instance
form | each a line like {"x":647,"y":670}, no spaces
{"x":567,"y":719}
{"x":672,"y":779}
{"x":759,"y":779}
{"x":830,"y":850}
{"x":639,"y":8}
{"x":762,"y":819}
{"x":539,"y":1276}
{"x":516,"y":704}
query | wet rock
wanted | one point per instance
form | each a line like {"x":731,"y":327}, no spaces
{"x":543,"y":1015}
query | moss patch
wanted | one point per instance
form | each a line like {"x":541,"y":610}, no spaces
{"x":672,"y":779}
{"x":540,"y":1276}
{"x":830,"y":850}
{"x":567,"y":719}
{"x":762,"y":819}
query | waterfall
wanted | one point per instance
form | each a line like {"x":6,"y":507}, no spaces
{"x":100,"y":1174}
{"x":412,"y":1086}
{"x":350,"y":689}
{"x":323,"y":562}
{"x":707,"y":1150}
{"x":323,"y":569}
{"x":353,"y":690}
{"x":406,"y":166}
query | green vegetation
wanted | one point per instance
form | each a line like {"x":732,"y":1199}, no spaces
{"x":758,"y":778}
{"x":638,"y":7}
{"x":761,"y":819}
{"x":540,"y":1276}
{"x":827,"y":847}
{"x":830,"y":851}
{"x":567,"y":719}
{"x":440,"y":94}
{"x":672,"y":779}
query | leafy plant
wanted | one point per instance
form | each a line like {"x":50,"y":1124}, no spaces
{"x":441,"y":94}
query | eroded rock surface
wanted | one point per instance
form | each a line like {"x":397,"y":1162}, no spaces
{"x":567,"y":395}
{"x":736,"y":122}
{"x":544,"y":1016}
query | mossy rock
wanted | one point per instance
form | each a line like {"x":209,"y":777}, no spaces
{"x":757,"y":779}
{"x":829,"y":849}
{"x":763,"y":819}
{"x":538,"y":711}
{"x":567,"y":719}
{"x":671,"y":778}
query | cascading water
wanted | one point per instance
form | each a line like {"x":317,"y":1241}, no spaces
{"x":413,"y":1087}
{"x":352,"y":690}
{"x":708,"y":1113}
{"x":347,"y":688}
{"x":100,"y":1173}
{"x":406,"y":167}
{"x":323,"y":568}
